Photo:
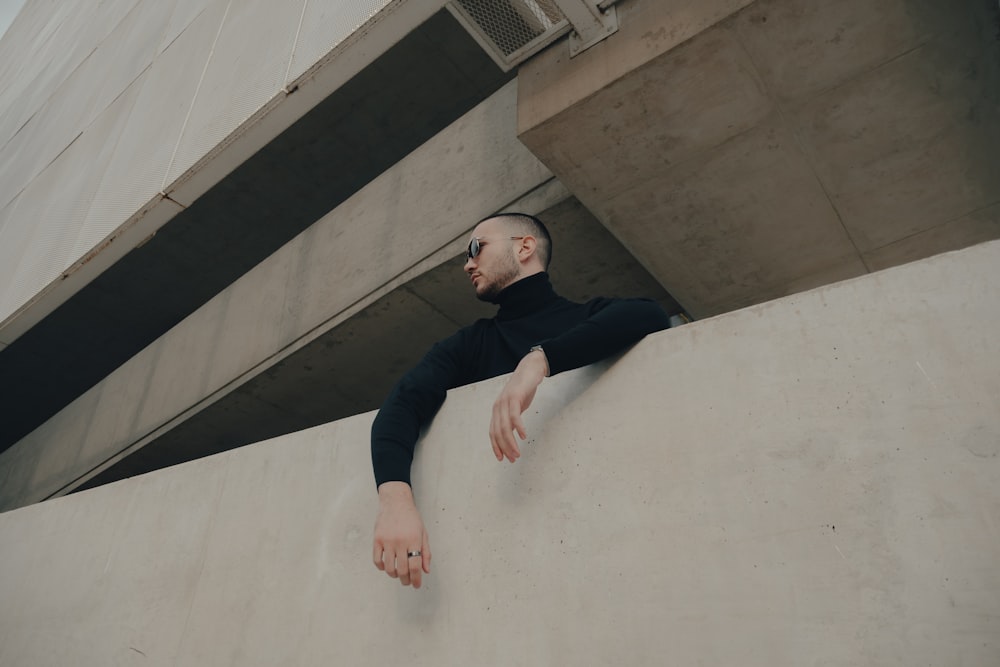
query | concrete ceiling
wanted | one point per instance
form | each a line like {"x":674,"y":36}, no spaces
{"x":787,"y":145}
{"x":351,"y":368}
{"x":435,"y":74}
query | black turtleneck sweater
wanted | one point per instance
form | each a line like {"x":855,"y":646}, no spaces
{"x":531,"y":313}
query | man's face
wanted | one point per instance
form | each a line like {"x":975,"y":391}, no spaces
{"x":496,"y":265}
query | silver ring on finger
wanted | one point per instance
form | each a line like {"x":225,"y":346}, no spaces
{"x":413,"y":554}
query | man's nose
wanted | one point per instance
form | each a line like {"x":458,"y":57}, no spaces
{"x":470,"y":265}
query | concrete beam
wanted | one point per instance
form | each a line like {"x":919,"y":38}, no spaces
{"x":746,"y":150}
{"x":814,"y":479}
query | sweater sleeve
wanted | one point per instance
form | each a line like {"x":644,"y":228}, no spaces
{"x":613,"y":325}
{"x":411,"y":405}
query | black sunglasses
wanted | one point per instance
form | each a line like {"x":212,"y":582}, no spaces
{"x":476,"y":244}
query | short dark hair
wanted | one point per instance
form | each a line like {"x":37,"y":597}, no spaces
{"x":529,"y":225}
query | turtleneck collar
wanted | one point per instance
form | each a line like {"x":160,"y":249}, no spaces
{"x":525,"y":296}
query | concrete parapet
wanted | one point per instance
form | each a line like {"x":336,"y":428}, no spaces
{"x":814,"y":480}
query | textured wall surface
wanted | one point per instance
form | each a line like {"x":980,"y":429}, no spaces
{"x":814,"y":480}
{"x":110,"y":106}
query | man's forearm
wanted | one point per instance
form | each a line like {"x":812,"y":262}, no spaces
{"x":607,"y":332}
{"x":410,"y":406}
{"x":394,"y":436}
{"x":396,"y":429}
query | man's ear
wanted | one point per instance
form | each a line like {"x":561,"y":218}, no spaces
{"x":527,"y":249}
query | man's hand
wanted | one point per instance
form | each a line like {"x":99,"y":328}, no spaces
{"x":399,"y":532}
{"x":515,"y":398}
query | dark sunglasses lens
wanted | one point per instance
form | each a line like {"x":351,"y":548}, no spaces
{"x":473,"y":248}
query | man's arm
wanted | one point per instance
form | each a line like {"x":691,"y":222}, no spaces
{"x":400,"y":546}
{"x":612,"y":326}
{"x":411,"y":405}
{"x":515,"y":398}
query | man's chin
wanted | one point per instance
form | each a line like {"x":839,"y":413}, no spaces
{"x":487,"y":294}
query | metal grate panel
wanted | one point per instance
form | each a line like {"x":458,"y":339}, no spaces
{"x":511,"y":30}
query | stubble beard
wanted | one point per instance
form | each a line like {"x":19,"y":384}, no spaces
{"x":506,"y":275}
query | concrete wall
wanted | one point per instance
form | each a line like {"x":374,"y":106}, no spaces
{"x":119,"y":114}
{"x":306,"y":288}
{"x":814,"y":480}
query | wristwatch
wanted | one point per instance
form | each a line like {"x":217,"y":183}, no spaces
{"x":538,"y":348}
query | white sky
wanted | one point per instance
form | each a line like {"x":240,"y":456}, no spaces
{"x":8,"y":10}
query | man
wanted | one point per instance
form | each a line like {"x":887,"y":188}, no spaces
{"x":536,"y":333}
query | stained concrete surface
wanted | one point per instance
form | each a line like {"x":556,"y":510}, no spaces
{"x":810,"y":480}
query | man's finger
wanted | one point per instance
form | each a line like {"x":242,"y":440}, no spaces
{"x":498,"y":430}
{"x":377,"y":557}
{"x":519,"y":427}
{"x":413,"y":564}
{"x":505,"y":431}
{"x":425,"y":552}
{"x":511,"y":417}
{"x":494,"y":430}
{"x":513,"y":451}
{"x":390,"y":562}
